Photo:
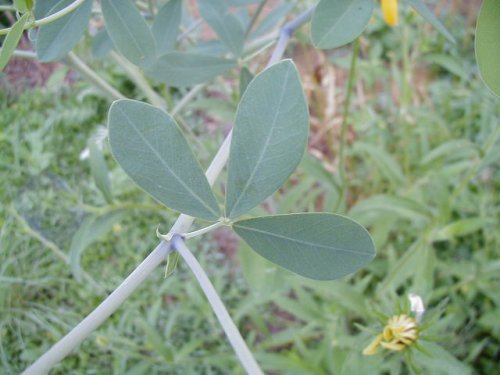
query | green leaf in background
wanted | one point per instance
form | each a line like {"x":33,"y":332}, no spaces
{"x":228,"y":27}
{"x":23,"y":6}
{"x":488,"y":44}
{"x":129,"y":31}
{"x":425,"y":12}
{"x":387,"y":165}
{"x":101,"y":44}
{"x":90,"y":230}
{"x":149,"y":146}
{"x":99,"y":171}
{"x":462,"y":227}
{"x":269,"y":137}
{"x":166,"y":26}
{"x":57,"y":38}
{"x":180,"y":69}
{"x":11,"y":40}
{"x":335,"y":23}
{"x":320,"y":246}
{"x":245,"y":78}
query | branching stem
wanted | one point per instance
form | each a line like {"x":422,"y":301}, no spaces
{"x":233,"y":334}
{"x":62,"y":348}
{"x":44,"y":21}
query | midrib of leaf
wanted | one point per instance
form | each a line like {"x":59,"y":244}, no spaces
{"x":336,"y":23}
{"x":166,"y":165}
{"x":268,"y":139}
{"x":307,"y":243}
{"x":122,"y":21}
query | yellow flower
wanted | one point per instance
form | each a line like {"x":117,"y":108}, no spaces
{"x":400,"y":332}
{"x":390,"y":11}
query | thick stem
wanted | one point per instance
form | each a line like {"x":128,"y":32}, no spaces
{"x":82,"y":68}
{"x":71,"y":7}
{"x":57,"y":352}
{"x":100,"y":314}
{"x":233,"y":334}
{"x":136,"y":76}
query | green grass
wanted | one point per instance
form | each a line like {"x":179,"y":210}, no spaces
{"x":422,"y":175}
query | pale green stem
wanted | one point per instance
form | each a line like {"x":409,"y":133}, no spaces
{"x":82,"y":68}
{"x":136,"y":76}
{"x":345,"y":124}
{"x":107,"y":307}
{"x":24,"y":54}
{"x":186,"y":99}
{"x":193,"y":234}
{"x":44,"y":21}
{"x":6,"y":8}
{"x":233,"y":334}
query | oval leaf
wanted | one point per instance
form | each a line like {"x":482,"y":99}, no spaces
{"x":228,"y":27}
{"x":269,"y":137}
{"x":320,"y":246}
{"x":57,"y":38}
{"x":166,"y":25}
{"x":129,"y":31}
{"x":150,"y":147}
{"x":335,"y":23}
{"x":488,"y":44}
{"x":180,"y":69}
{"x":11,"y":40}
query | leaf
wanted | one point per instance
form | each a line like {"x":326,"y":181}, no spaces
{"x":335,"y":23}
{"x":487,"y":44}
{"x":228,"y":27}
{"x":90,"y":230}
{"x":99,"y":171}
{"x":271,"y":20}
{"x":320,"y":246}
{"x":11,"y":40}
{"x":269,"y":137}
{"x":166,"y":26}
{"x":179,"y":69}
{"x":387,"y":165}
{"x":462,"y":227}
{"x":172,"y":261}
{"x":425,"y":12}
{"x":149,"y":146}
{"x":245,"y":78}
{"x":101,"y":44}
{"x":23,"y":6}
{"x":129,"y":31}
{"x":57,"y":38}
{"x":403,"y":208}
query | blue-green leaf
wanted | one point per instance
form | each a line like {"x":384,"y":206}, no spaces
{"x":11,"y":40}
{"x":269,"y":137}
{"x":320,"y":246}
{"x":180,"y":69}
{"x":149,"y":146}
{"x":166,"y":26}
{"x":129,"y":31}
{"x":425,"y":12}
{"x":101,"y":44}
{"x":227,"y":26}
{"x":57,"y":38}
{"x":335,"y":23}
{"x":488,"y":44}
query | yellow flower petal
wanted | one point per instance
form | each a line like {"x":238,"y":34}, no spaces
{"x":373,"y":347}
{"x":390,"y":11}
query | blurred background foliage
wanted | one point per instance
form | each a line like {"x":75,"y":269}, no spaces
{"x":422,"y":171}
